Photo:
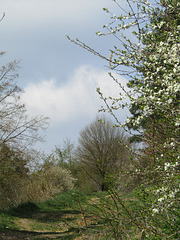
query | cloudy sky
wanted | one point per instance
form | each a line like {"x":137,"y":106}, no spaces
{"x":59,"y":78}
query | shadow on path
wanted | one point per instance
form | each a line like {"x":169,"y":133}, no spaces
{"x":28,"y":235}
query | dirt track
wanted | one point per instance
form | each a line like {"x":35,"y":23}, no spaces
{"x":16,"y":235}
{"x":25,"y":235}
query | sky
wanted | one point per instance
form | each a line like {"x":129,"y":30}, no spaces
{"x":59,"y":78}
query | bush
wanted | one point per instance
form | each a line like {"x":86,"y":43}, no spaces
{"x":48,"y":182}
{"x":58,"y":179}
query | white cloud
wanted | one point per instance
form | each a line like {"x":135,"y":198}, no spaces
{"x":75,"y":99}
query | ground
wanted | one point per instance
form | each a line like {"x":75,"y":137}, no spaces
{"x":50,"y":221}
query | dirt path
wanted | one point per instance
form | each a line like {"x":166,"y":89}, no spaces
{"x":25,"y":235}
{"x":66,"y":224}
{"x":16,"y":235}
{"x":40,"y":226}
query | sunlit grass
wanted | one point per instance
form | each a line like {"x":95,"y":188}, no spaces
{"x":69,"y":214}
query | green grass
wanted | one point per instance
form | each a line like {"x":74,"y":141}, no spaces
{"x":63,"y":201}
{"x":66,"y":214}
{"x":7,"y":221}
{"x":72,"y":214}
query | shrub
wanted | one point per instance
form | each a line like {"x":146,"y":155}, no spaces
{"x":46,"y":183}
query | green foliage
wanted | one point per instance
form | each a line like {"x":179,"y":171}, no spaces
{"x":13,"y":177}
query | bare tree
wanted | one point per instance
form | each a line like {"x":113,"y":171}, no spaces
{"x":17,"y":128}
{"x":18,"y":131}
{"x":101,"y":151}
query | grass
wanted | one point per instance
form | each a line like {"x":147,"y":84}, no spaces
{"x":67,"y":216}
{"x":7,"y":221}
{"x":65,"y":201}
{"x":73,"y":215}
{"x":61,"y":215}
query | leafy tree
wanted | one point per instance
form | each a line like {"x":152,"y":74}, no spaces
{"x":100,"y":151}
{"x":13,"y":177}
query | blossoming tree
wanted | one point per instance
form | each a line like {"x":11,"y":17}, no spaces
{"x":149,"y":57}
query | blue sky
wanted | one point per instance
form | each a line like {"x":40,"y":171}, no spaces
{"x":59,"y":78}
